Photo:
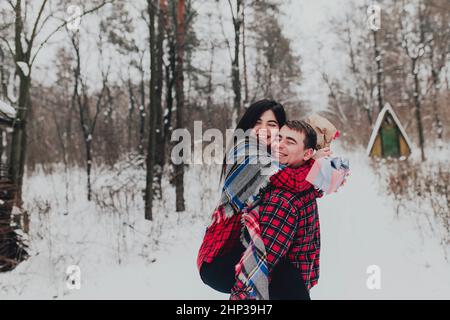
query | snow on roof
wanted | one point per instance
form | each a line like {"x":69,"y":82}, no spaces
{"x":7,"y":110}
{"x":387,"y":108}
{"x":24,"y":68}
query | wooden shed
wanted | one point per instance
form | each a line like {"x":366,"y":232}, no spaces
{"x":388,"y":137}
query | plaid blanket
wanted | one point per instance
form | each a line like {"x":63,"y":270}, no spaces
{"x":248,"y":169}
{"x":251,"y":271}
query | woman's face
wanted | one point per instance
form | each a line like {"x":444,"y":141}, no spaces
{"x":266,"y":127}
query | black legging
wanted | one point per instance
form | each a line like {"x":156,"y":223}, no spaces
{"x":286,"y":284}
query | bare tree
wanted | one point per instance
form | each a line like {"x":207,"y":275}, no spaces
{"x":24,"y":48}
{"x":151,"y":150}
{"x":413,"y":42}
{"x":379,"y":72}
{"x":179,"y":92}
{"x":81,"y":100}
{"x":236,"y":13}
{"x":362,"y":82}
{"x":436,"y":28}
{"x":159,"y":64}
{"x":170,"y":71}
{"x":244,"y":59}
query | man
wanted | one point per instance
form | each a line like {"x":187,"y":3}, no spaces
{"x":287,"y":222}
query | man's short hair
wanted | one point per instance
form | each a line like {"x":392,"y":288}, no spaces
{"x":301,"y":126}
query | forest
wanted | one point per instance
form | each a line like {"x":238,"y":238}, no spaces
{"x":91,"y":94}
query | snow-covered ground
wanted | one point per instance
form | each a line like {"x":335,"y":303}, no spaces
{"x":122,"y":256}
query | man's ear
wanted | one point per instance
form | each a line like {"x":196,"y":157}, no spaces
{"x":308,"y":154}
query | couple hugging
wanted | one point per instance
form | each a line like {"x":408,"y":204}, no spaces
{"x":264,"y":238}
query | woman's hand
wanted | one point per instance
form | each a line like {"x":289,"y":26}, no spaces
{"x":325,"y":152}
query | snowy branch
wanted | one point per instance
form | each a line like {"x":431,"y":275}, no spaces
{"x":47,"y":39}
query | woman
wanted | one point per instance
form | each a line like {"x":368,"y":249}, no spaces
{"x":247,"y":169}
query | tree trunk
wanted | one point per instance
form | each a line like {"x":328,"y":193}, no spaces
{"x":89,"y":169}
{"x":160,"y":139}
{"x":379,"y":71}
{"x":142,"y":114}
{"x":170,"y":83}
{"x":209,"y":92}
{"x":18,"y":147}
{"x":19,"y":138}
{"x":151,"y":150}
{"x":437,"y":119}
{"x":3,"y":85}
{"x":435,"y":72}
{"x":179,"y":92}
{"x":417,"y":104}
{"x":369,"y":116}
{"x":235,"y":71}
{"x":244,"y":58}
{"x":131,"y":109}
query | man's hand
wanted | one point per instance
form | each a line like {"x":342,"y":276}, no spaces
{"x":324,"y":152}
{"x":345,"y":179}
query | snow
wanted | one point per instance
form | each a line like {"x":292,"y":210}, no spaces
{"x":360,"y":229}
{"x":15,"y":211}
{"x":7,"y":110}
{"x":11,"y":84}
{"x":421,"y":52}
{"x":24,"y":68}
{"x":123,"y":256}
{"x":120,"y":255}
{"x":23,"y":42}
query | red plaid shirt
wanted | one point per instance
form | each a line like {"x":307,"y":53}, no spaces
{"x":220,"y":237}
{"x":290,"y":228}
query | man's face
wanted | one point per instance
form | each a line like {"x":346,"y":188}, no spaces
{"x":291,"y":149}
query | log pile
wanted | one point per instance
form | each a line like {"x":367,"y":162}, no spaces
{"x":12,"y":248}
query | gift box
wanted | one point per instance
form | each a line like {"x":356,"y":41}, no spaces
{"x":328,"y":174}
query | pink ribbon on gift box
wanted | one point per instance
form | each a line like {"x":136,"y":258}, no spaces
{"x":328,"y":174}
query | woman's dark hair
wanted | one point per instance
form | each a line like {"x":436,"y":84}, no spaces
{"x":252,"y":115}
{"x":254,"y":112}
